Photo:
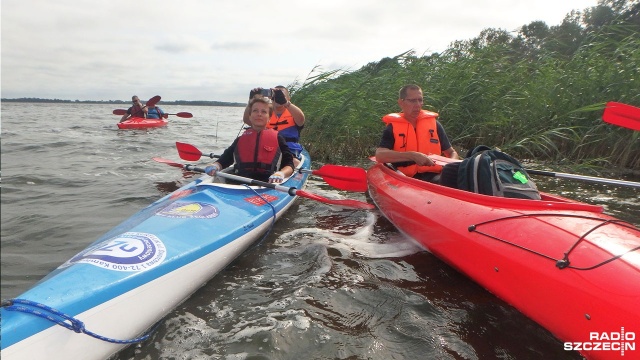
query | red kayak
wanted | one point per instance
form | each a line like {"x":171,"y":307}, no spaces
{"x":141,"y":123}
{"x":563,"y":263}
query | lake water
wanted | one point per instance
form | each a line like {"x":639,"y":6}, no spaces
{"x":352,"y":288}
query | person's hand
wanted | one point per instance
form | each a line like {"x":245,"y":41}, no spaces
{"x":279,"y":97}
{"x":211,"y":170}
{"x":422,"y":160}
{"x":254,"y":92}
{"x":277,"y":177}
{"x":166,"y":116}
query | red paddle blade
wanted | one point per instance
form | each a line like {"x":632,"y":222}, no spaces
{"x":168,"y":162}
{"x":153,"y":101}
{"x":119,"y":112}
{"x":355,"y":204}
{"x":184,"y":115}
{"x":622,"y":115}
{"x":188,"y":152}
{"x":343,"y":177}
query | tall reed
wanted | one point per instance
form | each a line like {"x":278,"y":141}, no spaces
{"x":543,"y":105}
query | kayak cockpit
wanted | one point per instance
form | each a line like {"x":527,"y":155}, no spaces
{"x":219,"y":181}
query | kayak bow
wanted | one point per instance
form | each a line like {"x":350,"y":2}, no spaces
{"x":563,"y":263}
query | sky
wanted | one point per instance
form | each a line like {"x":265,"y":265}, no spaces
{"x":219,"y":50}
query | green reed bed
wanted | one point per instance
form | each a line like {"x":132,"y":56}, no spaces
{"x":531,"y":100}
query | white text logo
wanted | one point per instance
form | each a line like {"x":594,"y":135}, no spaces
{"x":606,"y":341}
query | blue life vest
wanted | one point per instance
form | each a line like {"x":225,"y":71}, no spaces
{"x":155,"y":113}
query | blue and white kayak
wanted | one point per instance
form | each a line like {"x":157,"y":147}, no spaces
{"x":134,"y":275}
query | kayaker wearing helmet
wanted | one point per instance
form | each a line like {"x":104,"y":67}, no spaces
{"x":272,"y":160}
{"x":413,"y":134}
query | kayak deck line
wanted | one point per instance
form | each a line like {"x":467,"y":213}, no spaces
{"x":66,"y":321}
{"x":565,"y":261}
{"x":148,"y":303}
{"x":186,"y":238}
{"x":497,"y":243}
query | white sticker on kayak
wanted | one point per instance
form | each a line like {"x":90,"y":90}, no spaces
{"x":131,"y":251}
{"x":196,"y":210}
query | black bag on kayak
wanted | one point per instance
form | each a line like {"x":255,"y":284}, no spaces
{"x":492,"y":172}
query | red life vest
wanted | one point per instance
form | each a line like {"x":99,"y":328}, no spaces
{"x":424,"y":138}
{"x":257,"y":152}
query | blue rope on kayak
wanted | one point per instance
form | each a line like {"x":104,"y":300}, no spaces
{"x":71,"y":323}
{"x":273,"y":209}
{"x":62,"y":319}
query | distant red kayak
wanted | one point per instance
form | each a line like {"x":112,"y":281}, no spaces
{"x":563,"y":263}
{"x":141,"y":123}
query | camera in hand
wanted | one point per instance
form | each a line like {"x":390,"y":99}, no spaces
{"x":266,"y":93}
{"x":279,"y":97}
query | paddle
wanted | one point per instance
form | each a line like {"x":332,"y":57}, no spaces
{"x":341,"y":177}
{"x":444,"y":160}
{"x":289,"y":190}
{"x":153,"y":101}
{"x":183,"y":114}
{"x":622,"y":115}
{"x":191,"y":153}
{"x":586,"y":178}
{"x":180,"y":114}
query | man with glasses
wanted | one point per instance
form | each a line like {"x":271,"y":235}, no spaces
{"x":413,"y":134}
{"x":136,"y":110}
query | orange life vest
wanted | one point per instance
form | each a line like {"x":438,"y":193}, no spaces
{"x":424,"y":138}
{"x":257,"y":152}
{"x":287,"y":127}
{"x":282,"y":122}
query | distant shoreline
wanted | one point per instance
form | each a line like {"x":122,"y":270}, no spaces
{"x":120,"y":102}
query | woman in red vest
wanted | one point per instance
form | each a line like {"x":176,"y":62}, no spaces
{"x":287,"y":118}
{"x":259,"y":153}
{"x":413,"y":134}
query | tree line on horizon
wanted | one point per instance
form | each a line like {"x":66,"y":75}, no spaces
{"x":538,"y":93}
{"x":177,"y":102}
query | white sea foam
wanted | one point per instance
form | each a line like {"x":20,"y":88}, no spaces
{"x":361,"y":242}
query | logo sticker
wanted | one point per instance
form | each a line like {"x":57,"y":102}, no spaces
{"x":196,"y":210}
{"x":131,"y":251}
{"x":606,"y":341}
{"x":257,"y":200}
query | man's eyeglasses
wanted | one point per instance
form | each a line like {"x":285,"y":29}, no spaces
{"x":414,"y":101}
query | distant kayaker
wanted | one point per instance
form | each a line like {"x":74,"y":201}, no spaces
{"x":156,"y":113}
{"x":413,"y":134}
{"x":136,"y":110}
{"x":259,"y":153}
{"x":287,"y":118}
